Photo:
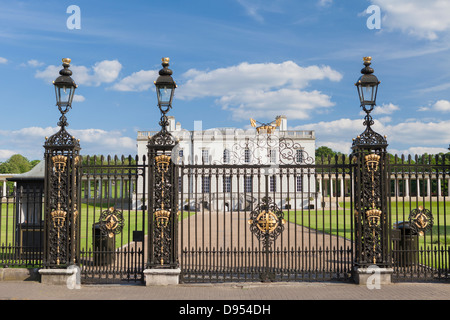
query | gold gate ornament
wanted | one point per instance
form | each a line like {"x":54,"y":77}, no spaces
{"x":421,"y":220}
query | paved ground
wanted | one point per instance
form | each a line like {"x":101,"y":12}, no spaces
{"x":31,"y":290}
{"x":224,"y":301}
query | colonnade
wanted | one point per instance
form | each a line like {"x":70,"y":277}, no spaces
{"x":422,"y":186}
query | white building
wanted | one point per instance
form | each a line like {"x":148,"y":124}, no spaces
{"x":269,"y":145}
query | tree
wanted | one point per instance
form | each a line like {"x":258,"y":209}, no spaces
{"x":325,"y":152}
{"x":325,"y":155}
{"x":17,"y":164}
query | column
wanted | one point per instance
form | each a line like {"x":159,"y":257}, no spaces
{"x":88,"y":188}
{"x":439,"y":187}
{"x":320,"y":185}
{"x":428,"y":186}
{"x":406,"y":188}
{"x":4,"y":189}
{"x":396,"y":188}
{"x":418,"y":186}
{"x":331,"y":187}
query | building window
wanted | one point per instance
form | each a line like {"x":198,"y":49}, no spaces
{"x":273,"y":184}
{"x":205,"y":156}
{"x":226,"y":184}
{"x":226,"y":156}
{"x":248,"y":184}
{"x":247,"y":155}
{"x":180,"y":156}
{"x":206,"y":184}
{"x":299,"y":184}
{"x":299,"y":156}
{"x":273,"y":156}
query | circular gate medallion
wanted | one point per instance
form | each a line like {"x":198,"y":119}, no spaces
{"x":266,"y":221}
{"x":421,"y":220}
{"x":111,"y":222}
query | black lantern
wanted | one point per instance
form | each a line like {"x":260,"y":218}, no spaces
{"x":64,"y":87}
{"x":367,"y":85}
{"x":165,"y":87}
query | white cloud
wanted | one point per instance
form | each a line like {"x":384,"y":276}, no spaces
{"x":105,"y":71}
{"x":78,"y":98}
{"x":98,"y":141}
{"x":245,"y":76}
{"x":261,"y":89}
{"x":254,"y":8}
{"x":337,"y":134}
{"x":440,"y":106}
{"x":418,"y":151}
{"x":34,"y":63}
{"x":29,"y":142}
{"x":325,"y":3}
{"x":389,"y":108}
{"x":138,"y":81}
{"x":3,"y":60}
{"x":385,"y":109}
{"x":424,"y":19}
{"x":295,"y":104}
{"x":418,"y":133}
{"x":413,"y":136}
{"x":6,"y":154}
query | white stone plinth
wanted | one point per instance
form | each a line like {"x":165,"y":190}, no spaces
{"x":161,"y":277}
{"x":380,"y":276}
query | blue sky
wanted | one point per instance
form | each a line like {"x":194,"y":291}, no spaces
{"x":233,"y":60}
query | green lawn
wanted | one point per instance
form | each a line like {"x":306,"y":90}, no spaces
{"x":336,"y":222}
{"x":133,"y":220}
{"x":339,"y":222}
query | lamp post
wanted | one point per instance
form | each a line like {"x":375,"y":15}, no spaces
{"x":372,"y":221}
{"x":163,"y":188}
{"x":367,"y":86}
{"x":61,"y":182}
{"x":64,"y":91}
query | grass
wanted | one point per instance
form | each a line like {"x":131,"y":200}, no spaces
{"x":339,"y":222}
{"x":331,"y":221}
{"x":133,"y":221}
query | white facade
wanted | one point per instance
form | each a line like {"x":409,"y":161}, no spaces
{"x":249,"y":149}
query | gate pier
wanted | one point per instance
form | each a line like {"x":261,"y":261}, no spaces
{"x":61,"y":189}
{"x":162,"y":260}
{"x":372,"y":221}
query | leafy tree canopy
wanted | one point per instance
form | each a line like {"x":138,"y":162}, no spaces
{"x":17,"y":164}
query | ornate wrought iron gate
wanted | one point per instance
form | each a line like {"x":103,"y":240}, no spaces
{"x":253,"y":223}
{"x":113,"y":221}
{"x":419,"y":188}
{"x":294,"y":219}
